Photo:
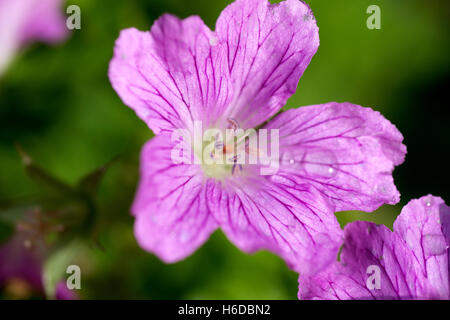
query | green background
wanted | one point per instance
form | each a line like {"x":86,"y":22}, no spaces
{"x":57,"y":102}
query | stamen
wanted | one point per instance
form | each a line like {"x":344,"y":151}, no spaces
{"x":229,"y":150}
{"x":233,"y":124}
{"x":234,"y":167}
{"x":235,"y":158}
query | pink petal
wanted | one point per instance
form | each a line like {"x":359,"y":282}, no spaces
{"x":181,"y":71}
{"x":18,"y":261}
{"x":172,"y":217}
{"x":64,"y":293}
{"x":171,"y":75}
{"x":25,"y":21}
{"x":47,"y":21}
{"x":413,"y":265}
{"x":424,"y":225}
{"x":345,"y":151}
{"x":268,"y":47}
{"x":294,"y":223}
{"x":365,"y":245}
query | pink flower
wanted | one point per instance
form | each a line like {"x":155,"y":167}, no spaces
{"x":19,"y":263}
{"x":64,"y":293}
{"x":25,"y":21}
{"x":412,"y":262}
{"x":333,"y":157}
{"x":21,"y":270}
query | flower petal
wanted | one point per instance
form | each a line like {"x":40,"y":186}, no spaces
{"x":19,"y":262}
{"x":172,"y":217}
{"x":412,"y":260}
{"x":268,"y":47}
{"x":366,"y":246}
{"x":46,"y":21}
{"x":62,"y":292}
{"x":171,"y":75}
{"x":346,"y":151}
{"x":27,"y":20}
{"x":424,"y":225}
{"x":294,"y":223}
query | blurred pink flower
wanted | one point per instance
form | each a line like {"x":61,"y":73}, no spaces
{"x":25,"y":21}
{"x":64,"y":293}
{"x":21,"y":264}
{"x":21,"y":270}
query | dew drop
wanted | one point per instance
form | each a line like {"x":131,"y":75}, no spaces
{"x":320,"y":163}
{"x":384,"y":189}
{"x":184,"y":237}
{"x":428,"y":202}
{"x":410,"y":244}
{"x":434,"y":244}
{"x":213,"y":41}
{"x":287,"y":159}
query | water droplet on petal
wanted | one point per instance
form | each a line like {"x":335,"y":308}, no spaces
{"x":320,"y":163}
{"x":184,"y":237}
{"x":384,"y":189}
{"x":213,"y":41}
{"x":307,"y":17}
{"x":428,"y":202}
{"x":287,"y":159}
{"x":434,"y":244}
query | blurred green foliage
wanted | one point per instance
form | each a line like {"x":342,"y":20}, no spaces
{"x":58,"y":103}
